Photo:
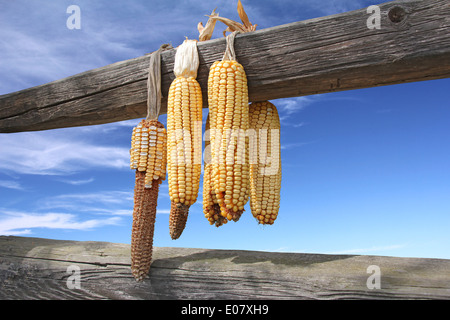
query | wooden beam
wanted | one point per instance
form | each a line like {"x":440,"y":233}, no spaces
{"x":321,"y":55}
{"x":34,"y":268}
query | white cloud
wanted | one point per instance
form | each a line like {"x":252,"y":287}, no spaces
{"x":162,"y":211}
{"x":288,"y":106}
{"x":51,"y":153}
{"x":121,"y":212}
{"x":28,"y":60}
{"x":103,"y":202}
{"x":285,"y":146}
{"x":293,"y":105}
{"x":110,"y":203}
{"x":19,"y":223}
{"x":78,"y":182}
{"x":66,"y":211}
{"x":11,"y":184}
{"x":298,"y":125}
{"x":43,"y":49}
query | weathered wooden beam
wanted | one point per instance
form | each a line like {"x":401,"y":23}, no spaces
{"x":321,"y":55}
{"x":34,"y":268}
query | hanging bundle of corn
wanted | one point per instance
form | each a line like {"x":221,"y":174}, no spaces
{"x":148,"y":158}
{"x":228,"y":121}
{"x":265,"y":167}
{"x":184,"y":126}
{"x":265,"y":161}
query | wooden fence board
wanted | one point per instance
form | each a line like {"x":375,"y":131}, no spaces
{"x":34,"y":268}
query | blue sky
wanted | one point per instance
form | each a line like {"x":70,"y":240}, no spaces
{"x":364,"y":171}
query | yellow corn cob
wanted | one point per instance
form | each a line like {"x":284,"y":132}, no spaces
{"x":148,"y":158}
{"x":184,"y":125}
{"x":228,"y":112}
{"x":265,"y":169}
{"x":148,"y":150}
{"x":211,"y":208}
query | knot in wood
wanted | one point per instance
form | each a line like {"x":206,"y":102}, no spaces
{"x":397,"y":14}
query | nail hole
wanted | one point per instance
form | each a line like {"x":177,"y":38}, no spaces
{"x":396,"y":14}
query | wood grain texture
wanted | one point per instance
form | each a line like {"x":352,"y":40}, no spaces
{"x":321,"y":55}
{"x":34,"y":268}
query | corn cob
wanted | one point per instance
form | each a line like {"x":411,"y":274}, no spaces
{"x":228,"y":112}
{"x":148,"y":158}
{"x":184,"y":121}
{"x":148,"y":150}
{"x":211,"y":207}
{"x":265,"y":171}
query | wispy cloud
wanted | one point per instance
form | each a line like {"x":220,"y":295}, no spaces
{"x":287,"y":146}
{"x":162,"y":211}
{"x":44,"y":49}
{"x":110,"y":202}
{"x":66,"y":211}
{"x":109,"y":127}
{"x":78,"y":182}
{"x":113,"y":203}
{"x":287,"y":249}
{"x":20,"y":223}
{"x":289,"y":106}
{"x":50,"y":153}
{"x":300,"y":124}
{"x":69,"y":211}
{"x":11,"y":184}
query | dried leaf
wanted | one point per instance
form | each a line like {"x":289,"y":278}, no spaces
{"x":247,"y":26}
{"x":232,"y":25}
{"x":207,"y":30}
{"x":226,"y":30}
{"x":243,"y":15}
{"x":200,"y":27}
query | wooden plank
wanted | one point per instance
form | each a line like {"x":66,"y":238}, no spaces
{"x":34,"y":268}
{"x":321,"y":55}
